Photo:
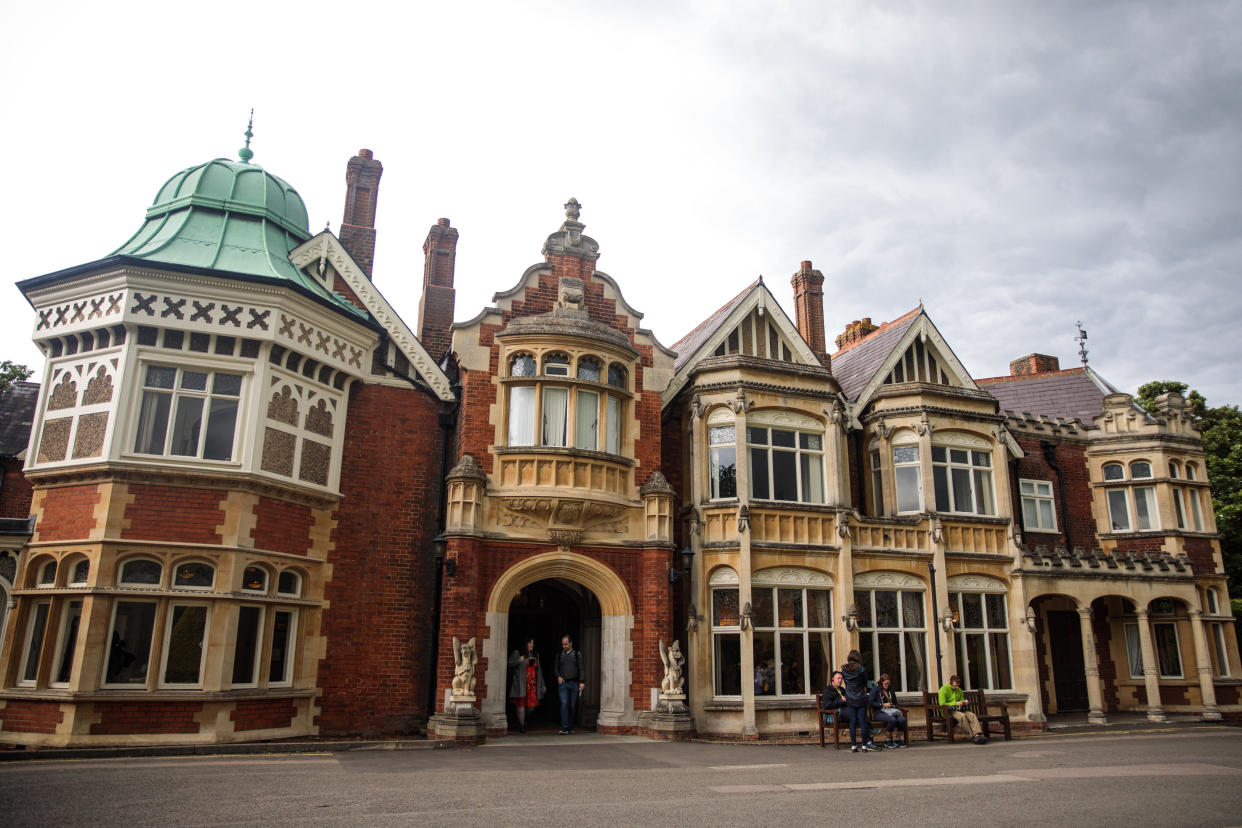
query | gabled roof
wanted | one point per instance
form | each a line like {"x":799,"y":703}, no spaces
{"x":1075,"y":393}
{"x":688,"y":345}
{"x":855,"y":364}
{"x":326,"y":249}
{"x":704,"y":339}
{"x":17,"y":410}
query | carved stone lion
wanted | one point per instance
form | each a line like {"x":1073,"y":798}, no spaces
{"x":673,"y":660}
{"x":464,"y":659}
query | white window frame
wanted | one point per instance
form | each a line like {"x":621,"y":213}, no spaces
{"x":1220,"y":651}
{"x":979,"y":476}
{"x":724,"y":580}
{"x":189,"y":587}
{"x":876,"y":458}
{"x":28,"y":639}
{"x":815,"y":460}
{"x":1177,"y":643}
{"x":906,"y":465}
{"x":716,"y":454}
{"x":773,"y":585}
{"x":1035,"y":492}
{"x":62,"y":642}
{"x":1134,"y":649}
{"x":176,"y":393}
{"x":1128,"y":498}
{"x":957,"y":604}
{"x":170,"y":611}
{"x":900,"y":585}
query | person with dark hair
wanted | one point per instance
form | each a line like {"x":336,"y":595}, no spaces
{"x":951,"y":696}
{"x":570,"y":681}
{"x":854,"y":675}
{"x":886,"y":712}
{"x":526,"y":687}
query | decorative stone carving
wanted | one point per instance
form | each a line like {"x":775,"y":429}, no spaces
{"x":564,"y":513}
{"x":467,"y":469}
{"x":743,"y":519}
{"x":464,"y":660}
{"x":572,"y":294}
{"x":882,"y":429}
{"x":696,"y":407}
{"x":564,"y":537}
{"x":674,"y":681}
{"x":925,"y":427}
{"x":656,"y":485}
{"x":569,"y":239}
{"x":740,"y":404}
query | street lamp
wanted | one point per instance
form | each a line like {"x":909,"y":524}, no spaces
{"x":687,"y":558}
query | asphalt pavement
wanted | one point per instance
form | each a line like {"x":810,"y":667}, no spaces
{"x":1154,"y":775}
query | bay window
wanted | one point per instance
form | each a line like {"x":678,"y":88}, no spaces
{"x":908,"y":478}
{"x":892,"y":629}
{"x":792,"y":637}
{"x":129,"y":651}
{"x":786,"y":464}
{"x":183,"y":645}
{"x":723,"y":451}
{"x":561,"y":413}
{"x":1131,"y":508}
{"x":188,"y":413}
{"x":726,"y":642}
{"x":963,"y":480}
{"x":982,"y":640}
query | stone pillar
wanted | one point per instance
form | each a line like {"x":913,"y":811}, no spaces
{"x":1151,"y":667}
{"x":844,"y":639}
{"x":1203,"y":660}
{"x":1026,"y":651}
{"x":749,"y":729}
{"x":1091,"y":666}
{"x":948,"y":646}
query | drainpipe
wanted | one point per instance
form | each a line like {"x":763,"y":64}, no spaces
{"x":935,"y":625}
{"x":447,"y":420}
{"x":1050,"y":458}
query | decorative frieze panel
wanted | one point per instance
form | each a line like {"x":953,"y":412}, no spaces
{"x":84,"y":313}
{"x":557,"y":514}
{"x":77,"y":412}
{"x":911,"y":538}
{"x":296,"y":412}
{"x":964,"y":537}
{"x":720,"y":525}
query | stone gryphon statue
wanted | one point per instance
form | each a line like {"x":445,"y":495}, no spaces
{"x":464,"y":659}
{"x":673,"y":661}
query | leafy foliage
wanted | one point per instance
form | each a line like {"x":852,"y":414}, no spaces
{"x":1221,"y":427}
{"x":11,"y":372}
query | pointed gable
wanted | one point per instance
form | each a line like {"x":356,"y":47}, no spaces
{"x":750,"y":324}
{"x":325,"y":258}
{"x":907,"y":349}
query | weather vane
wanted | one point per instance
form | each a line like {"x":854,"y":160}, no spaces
{"x":1081,"y":339}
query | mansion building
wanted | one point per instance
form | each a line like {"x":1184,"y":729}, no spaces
{"x":248,"y":501}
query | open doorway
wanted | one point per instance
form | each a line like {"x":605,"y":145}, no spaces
{"x":545,"y":610}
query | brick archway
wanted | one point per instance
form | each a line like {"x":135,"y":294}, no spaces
{"x":617,"y":621}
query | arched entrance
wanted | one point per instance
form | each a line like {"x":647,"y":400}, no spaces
{"x":598,"y":596}
{"x":1063,"y":681}
{"x":545,"y":611}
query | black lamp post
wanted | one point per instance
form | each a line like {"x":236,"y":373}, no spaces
{"x":687,"y":558}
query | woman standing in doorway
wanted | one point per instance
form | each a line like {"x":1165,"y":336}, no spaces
{"x":526,"y":687}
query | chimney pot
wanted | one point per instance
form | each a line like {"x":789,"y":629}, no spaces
{"x":442,"y":222}
{"x":366,"y":153}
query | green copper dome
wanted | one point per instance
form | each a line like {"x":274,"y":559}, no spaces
{"x":224,"y":215}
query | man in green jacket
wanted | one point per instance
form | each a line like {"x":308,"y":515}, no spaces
{"x":951,"y":695}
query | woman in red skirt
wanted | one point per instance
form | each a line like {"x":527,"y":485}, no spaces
{"x":526,"y":687}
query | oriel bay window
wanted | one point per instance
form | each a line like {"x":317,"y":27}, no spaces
{"x":908,"y":477}
{"x":726,"y":634}
{"x":892,"y":628}
{"x":723,"y":450}
{"x":563,"y":413}
{"x":1131,"y":508}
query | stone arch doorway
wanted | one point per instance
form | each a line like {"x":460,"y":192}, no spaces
{"x":1062,"y":670}
{"x":546,"y":610}
{"x":597,"y":593}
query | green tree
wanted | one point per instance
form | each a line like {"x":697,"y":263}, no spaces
{"x":11,"y":372}
{"x":1221,"y":427}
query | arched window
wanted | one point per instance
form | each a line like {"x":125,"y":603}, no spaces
{"x":47,"y":574}
{"x":589,"y":369}
{"x":981,"y":631}
{"x":289,"y":583}
{"x":1140,"y":469}
{"x":141,"y":571}
{"x":1114,"y":471}
{"x":194,"y":575}
{"x":254,"y":579}
{"x":81,"y":571}
{"x":522,"y":365}
{"x":892,"y":627}
{"x":1131,"y":508}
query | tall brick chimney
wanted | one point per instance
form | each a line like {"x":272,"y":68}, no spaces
{"x":808,"y":288}
{"x":362,"y":177}
{"x":1034,"y":364}
{"x":435,"y":307}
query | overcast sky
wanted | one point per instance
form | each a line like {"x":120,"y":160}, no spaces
{"x":1017,"y":166}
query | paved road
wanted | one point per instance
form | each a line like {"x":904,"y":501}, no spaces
{"x":1184,"y":776}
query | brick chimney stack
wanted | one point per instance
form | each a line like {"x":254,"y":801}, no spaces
{"x":362,"y":177}
{"x":1034,"y":364}
{"x":808,"y":288}
{"x":855,"y":332}
{"x":435,"y":308}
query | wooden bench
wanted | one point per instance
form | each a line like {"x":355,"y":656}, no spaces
{"x":938,"y":714}
{"x":829,"y":719}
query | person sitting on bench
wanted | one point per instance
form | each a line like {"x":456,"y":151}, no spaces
{"x":951,"y":696}
{"x":884,"y":710}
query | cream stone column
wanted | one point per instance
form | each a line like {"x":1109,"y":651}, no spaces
{"x":1091,"y":666}
{"x":1151,"y":668}
{"x":836,"y":484}
{"x":844,"y":639}
{"x":1025,"y":653}
{"x":698,"y":643}
{"x":948,"y":649}
{"x":1203,"y":661}
{"x":749,"y":729}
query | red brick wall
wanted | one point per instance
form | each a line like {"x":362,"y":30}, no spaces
{"x":20,"y":716}
{"x":262,"y":714}
{"x":644,"y":573}
{"x":282,"y":527}
{"x":16,"y":493}
{"x":183,"y":514}
{"x":342,"y":287}
{"x":378,"y":629}
{"x":1072,"y":484}
{"x":1104,"y":657}
{"x":1202,"y":561}
{"x":68,"y":512}
{"x":146,"y":717}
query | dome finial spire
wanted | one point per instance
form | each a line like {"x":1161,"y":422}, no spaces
{"x":245,"y":153}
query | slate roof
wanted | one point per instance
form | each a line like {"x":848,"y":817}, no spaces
{"x":688,"y":345}
{"x":17,"y":410}
{"x":856,"y":363}
{"x":1075,"y":393}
